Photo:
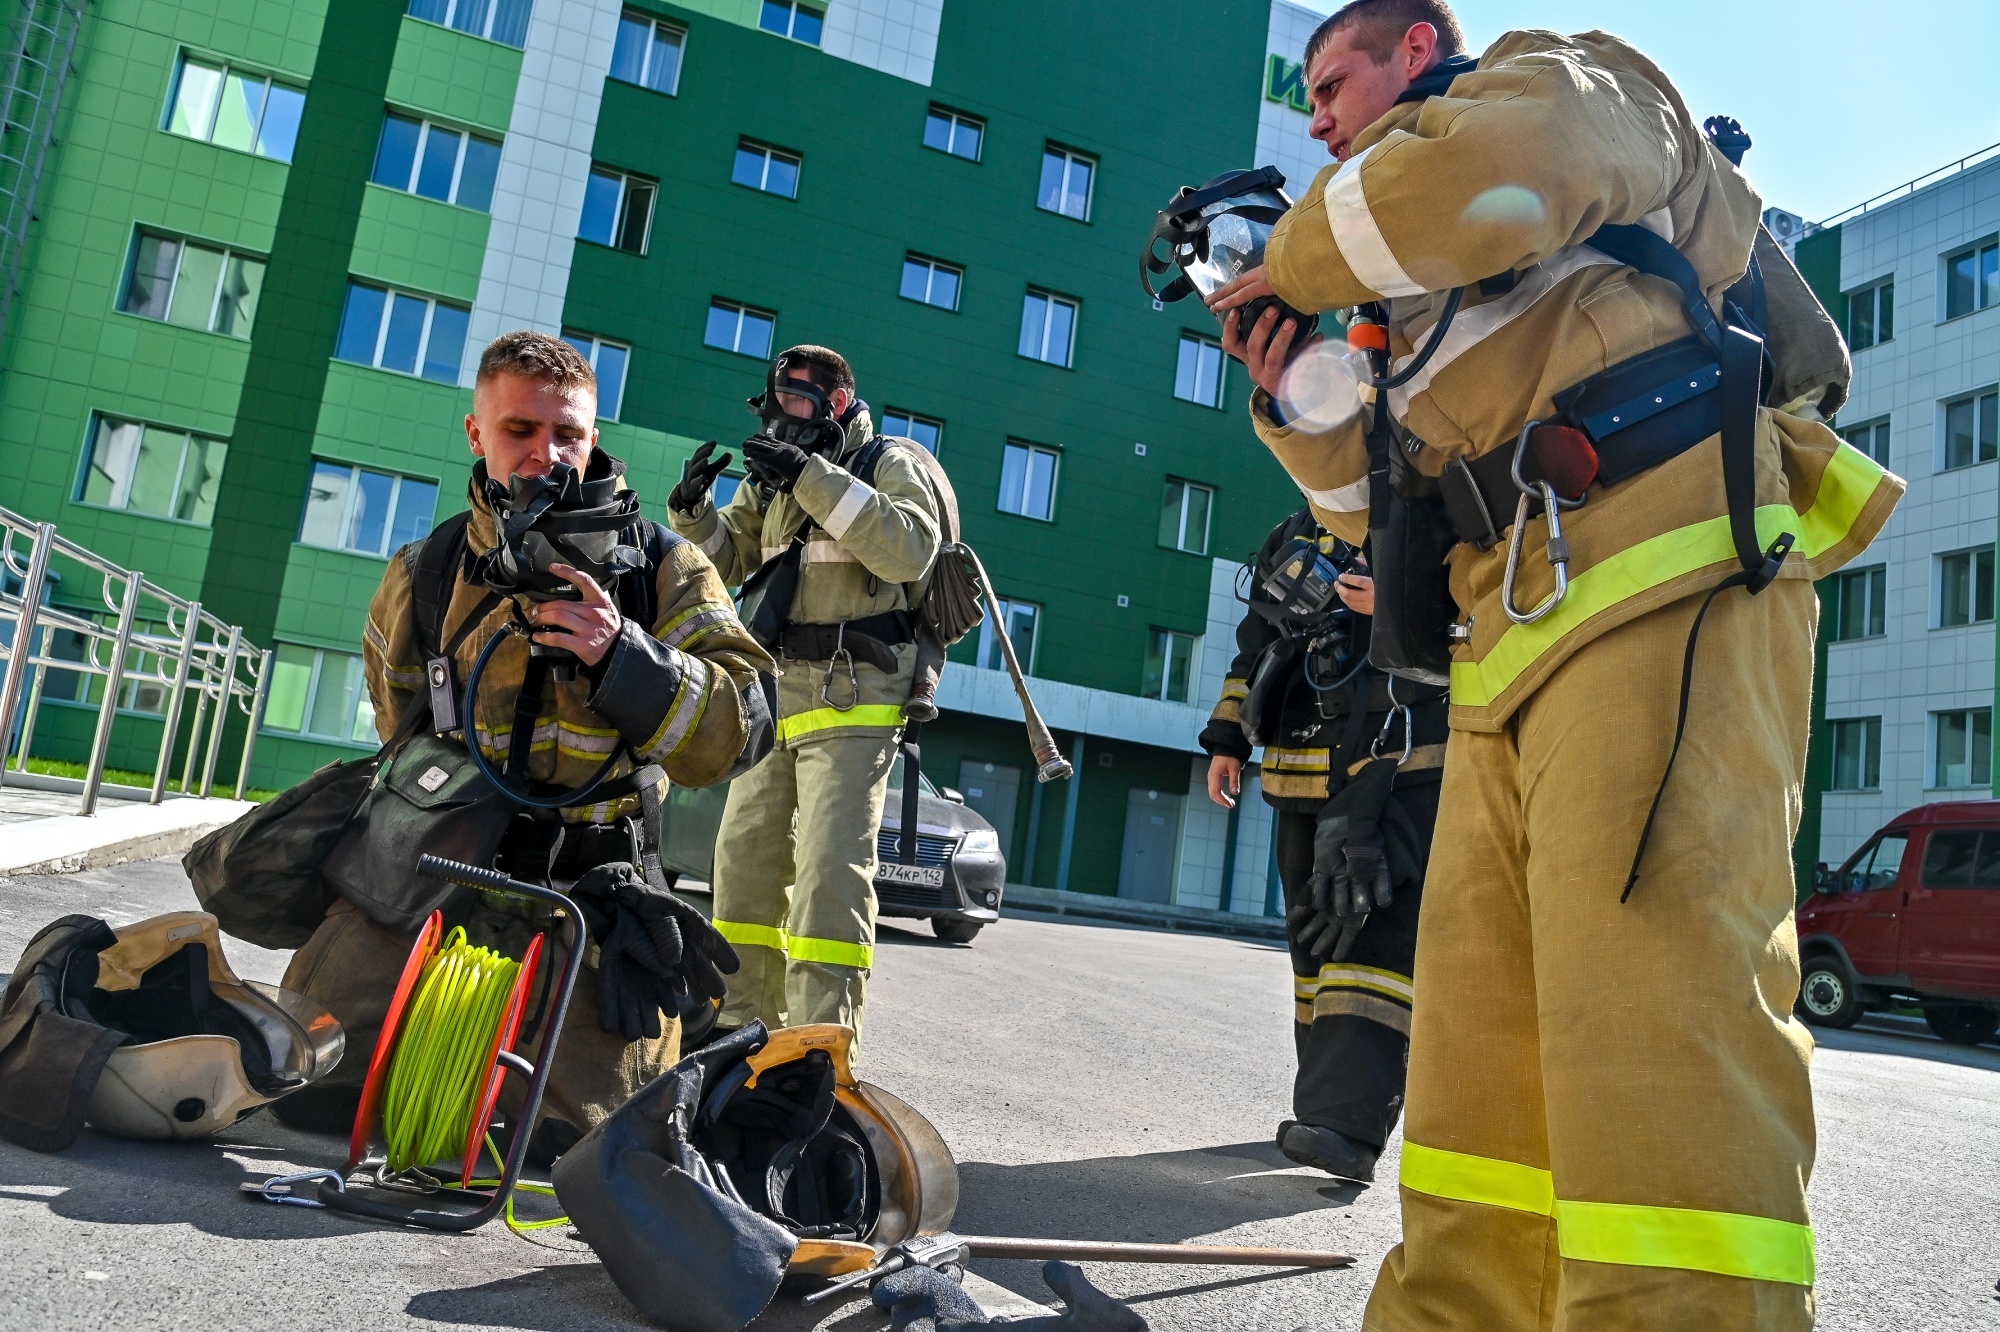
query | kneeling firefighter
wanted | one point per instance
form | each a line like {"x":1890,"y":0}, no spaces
{"x":574,"y":710}
{"x":1352,"y":760}
{"x":1589,"y":457}
{"x":835,"y":538}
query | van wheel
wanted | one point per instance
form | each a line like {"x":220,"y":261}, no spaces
{"x":1962,"y":1024}
{"x":1826,"y":993}
{"x":956,"y":931}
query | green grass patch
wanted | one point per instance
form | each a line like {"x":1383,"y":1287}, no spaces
{"x":126,"y":777}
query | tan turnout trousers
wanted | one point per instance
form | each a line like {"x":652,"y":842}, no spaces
{"x":1610,"y":1122}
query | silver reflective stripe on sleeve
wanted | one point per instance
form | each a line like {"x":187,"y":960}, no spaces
{"x":828,"y":552}
{"x":849,"y":508}
{"x":1350,"y":498}
{"x":715,"y":542}
{"x":1360,"y":240}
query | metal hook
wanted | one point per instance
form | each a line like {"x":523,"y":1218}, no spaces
{"x":285,"y":1183}
{"x":1396,"y":709}
{"x":840,"y":653}
{"x":1557,"y":548}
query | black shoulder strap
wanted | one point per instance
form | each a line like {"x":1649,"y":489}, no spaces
{"x":639,"y":597}
{"x":870,"y":457}
{"x":435,"y":577}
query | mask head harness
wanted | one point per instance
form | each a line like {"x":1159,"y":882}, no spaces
{"x":566,"y":517}
{"x":1303,"y":584}
{"x":1214,"y":235}
{"x":822,"y":432}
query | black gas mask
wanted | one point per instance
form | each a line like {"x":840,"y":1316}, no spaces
{"x":1215,"y":235}
{"x":819,"y":433}
{"x":1306,"y":607}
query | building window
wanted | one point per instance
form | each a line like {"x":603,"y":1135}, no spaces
{"x":1184,"y":510}
{"x":1066,"y":179}
{"x":153,"y":470}
{"x":1857,"y":755}
{"x":1858,"y":603}
{"x":788,"y":18}
{"x":417,"y":157}
{"x":1972,"y":279}
{"x":1871,"y":315}
{"x":609,"y":360}
{"x":954,"y":132}
{"x":1021,"y":618}
{"x":738,"y":328}
{"x":1048,"y":327}
{"x":617,"y":210}
{"x":193,"y":285}
{"x":725,"y":489}
{"x":648,"y":53}
{"x":931,"y":282}
{"x":1871,"y":437}
{"x":503,"y":21}
{"x":319,"y":694}
{"x":1028,"y":480}
{"x":929,"y":433}
{"x":1170,"y":665}
{"x":365,"y":511}
{"x":761,"y":167}
{"x":395,"y":330}
{"x":1198,"y":377}
{"x":233,"y":108}
{"x":1971,"y":430}
{"x":1964,"y":744}
{"x":1965,"y":587}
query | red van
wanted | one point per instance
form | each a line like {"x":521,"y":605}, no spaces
{"x":1914,"y":914}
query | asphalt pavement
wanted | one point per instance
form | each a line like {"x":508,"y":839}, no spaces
{"x":1094,"y":1081}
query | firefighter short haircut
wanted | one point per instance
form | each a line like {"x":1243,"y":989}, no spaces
{"x":537,"y":356}
{"x":1379,"y":26}
{"x":824,"y":366}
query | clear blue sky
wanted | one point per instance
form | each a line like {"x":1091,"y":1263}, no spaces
{"x":1844,"y":98}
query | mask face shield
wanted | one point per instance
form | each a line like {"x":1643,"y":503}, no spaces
{"x":563,"y":517}
{"x":1216,"y":234}
{"x":818,"y":432}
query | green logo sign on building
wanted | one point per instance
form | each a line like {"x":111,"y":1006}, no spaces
{"x":1286,"y":82}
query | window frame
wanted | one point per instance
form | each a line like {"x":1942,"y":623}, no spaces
{"x":1071,"y":157}
{"x":1985,"y":404}
{"x":96,"y":423}
{"x":1869,"y":761}
{"x":596,"y":344}
{"x":1940,"y":563}
{"x":140,"y":232}
{"x":1031,"y":448}
{"x":1203,"y":344}
{"x":486,"y":32}
{"x":790,"y":33}
{"x":916,"y":418}
{"x":425,"y":125}
{"x":1876,"y":428}
{"x":1875,"y":579}
{"x":1155,"y":633}
{"x":989,"y":646}
{"x":769,"y":152}
{"x":431,"y":304}
{"x":955,"y":119}
{"x":619,"y":216}
{"x":932,"y":267}
{"x":346,"y":519}
{"x":361,"y":697}
{"x":228,"y":67}
{"x":740,"y":309}
{"x":1985,"y":290}
{"x":1873,"y":290}
{"x":1050,"y":299}
{"x":1974,"y":755}
{"x":655,"y":24}
{"x":1207,"y":519}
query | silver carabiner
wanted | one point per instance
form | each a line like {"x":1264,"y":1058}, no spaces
{"x":840,"y":653}
{"x":285,"y":1182}
{"x":1396,"y":710}
{"x":1557,"y":548}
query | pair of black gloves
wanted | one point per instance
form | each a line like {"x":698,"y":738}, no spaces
{"x":655,"y":953}
{"x":770,"y":461}
{"x":1350,"y":874}
{"x":923,"y":1299}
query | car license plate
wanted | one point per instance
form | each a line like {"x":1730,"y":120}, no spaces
{"x":923,"y":876}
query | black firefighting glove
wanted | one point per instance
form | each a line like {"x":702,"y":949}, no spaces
{"x":1350,"y":873}
{"x":773,"y":462}
{"x":654,"y":951}
{"x":923,"y":1299}
{"x":698,"y":475}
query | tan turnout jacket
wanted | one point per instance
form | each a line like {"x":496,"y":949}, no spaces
{"x":1512,"y":170}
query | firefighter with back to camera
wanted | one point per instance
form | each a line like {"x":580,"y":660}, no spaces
{"x":833,"y":537}
{"x":1352,"y":759}
{"x":1588,"y":389}
{"x":645,"y":666}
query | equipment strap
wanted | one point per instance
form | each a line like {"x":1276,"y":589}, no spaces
{"x":873,"y":639}
{"x":913,"y":770}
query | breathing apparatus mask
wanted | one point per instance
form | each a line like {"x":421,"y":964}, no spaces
{"x":1215,"y":235}
{"x":822,"y":432}
{"x":1319,"y":645}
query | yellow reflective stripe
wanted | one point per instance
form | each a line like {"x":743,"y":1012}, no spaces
{"x":797,"y":947}
{"x":1235,"y":688}
{"x":1298,"y":760}
{"x":1349,"y":976}
{"x":1729,"y":1243}
{"x":825,"y":719}
{"x":1845,"y":488}
{"x":1478,"y":1179}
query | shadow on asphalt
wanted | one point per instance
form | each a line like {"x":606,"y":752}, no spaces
{"x":1907,"y":1045}
{"x":547,"y":1299}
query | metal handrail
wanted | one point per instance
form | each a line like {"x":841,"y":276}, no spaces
{"x":190,"y":651}
{"x":1912,"y":186}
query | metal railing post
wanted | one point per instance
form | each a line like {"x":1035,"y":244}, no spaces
{"x":221,"y":710}
{"x":100,"y":745}
{"x":173,"y":718}
{"x":196,"y":734}
{"x":24,"y":638}
{"x":33,"y":712}
{"x":257,"y":702}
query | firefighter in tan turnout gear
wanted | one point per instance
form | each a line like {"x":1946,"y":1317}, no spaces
{"x":682,"y":691}
{"x":833,"y":536}
{"x":1609,"y":1122}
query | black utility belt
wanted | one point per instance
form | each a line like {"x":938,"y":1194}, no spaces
{"x":1616,"y":424}
{"x":872,"y":639}
{"x":1371,"y":694}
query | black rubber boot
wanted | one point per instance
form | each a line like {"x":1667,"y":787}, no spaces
{"x":1325,"y":1149}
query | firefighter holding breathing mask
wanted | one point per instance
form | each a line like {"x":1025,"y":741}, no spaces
{"x":1589,"y":390}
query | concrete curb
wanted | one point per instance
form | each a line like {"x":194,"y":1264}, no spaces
{"x":117,"y":834}
{"x":1160,"y":915}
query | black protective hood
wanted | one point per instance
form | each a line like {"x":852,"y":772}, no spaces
{"x":52,"y":1049}
{"x":567,"y":516}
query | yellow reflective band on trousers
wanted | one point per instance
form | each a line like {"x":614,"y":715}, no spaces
{"x":1727,"y":1243}
{"x":832,"y":952}
{"x":1844,"y":490}
{"x":826,"y":719}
